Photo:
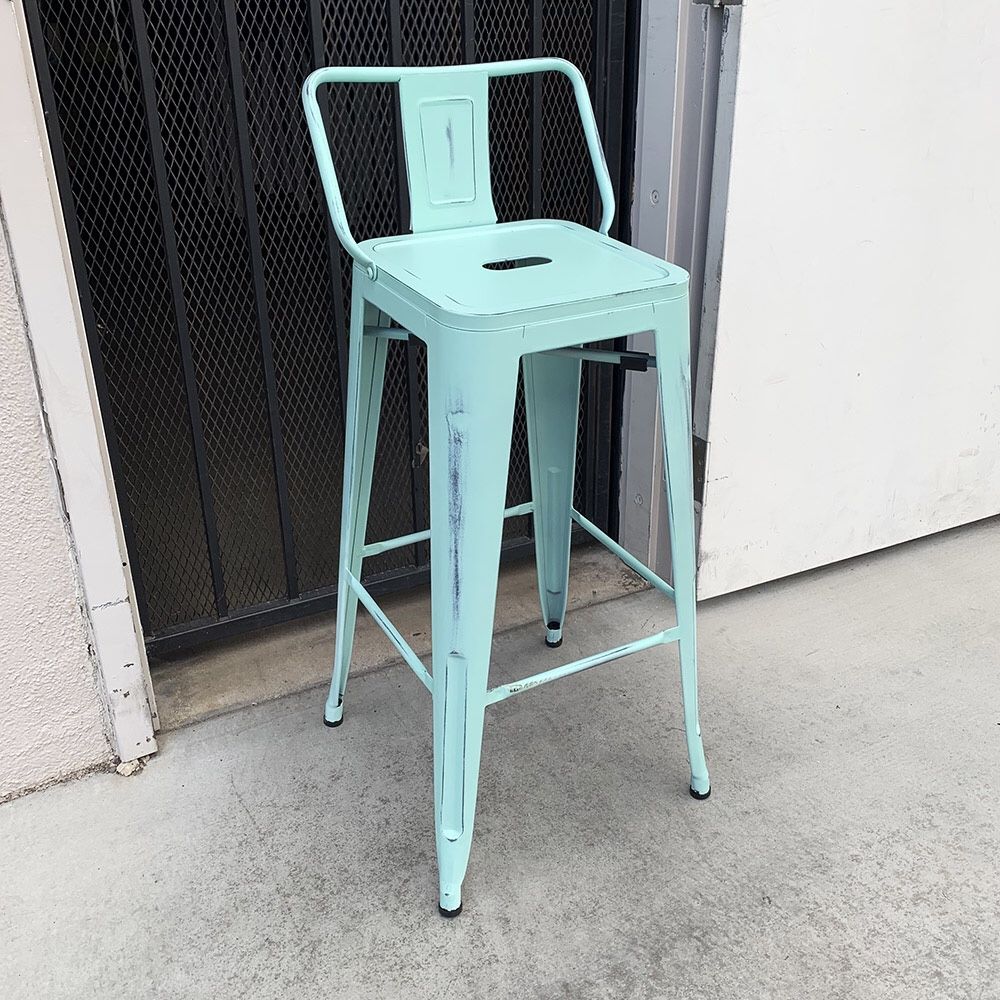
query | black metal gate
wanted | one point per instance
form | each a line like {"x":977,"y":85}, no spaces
{"x":214,"y":294}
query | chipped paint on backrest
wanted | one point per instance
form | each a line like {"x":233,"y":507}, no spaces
{"x":446,"y":136}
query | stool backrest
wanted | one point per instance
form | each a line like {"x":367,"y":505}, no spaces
{"x":445,"y":125}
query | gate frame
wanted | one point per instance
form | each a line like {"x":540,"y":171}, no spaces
{"x":615,"y":22}
{"x":68,"y":393}
{"x":68,"y":397}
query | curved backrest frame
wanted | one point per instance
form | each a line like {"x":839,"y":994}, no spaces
{"x":467,"y":200}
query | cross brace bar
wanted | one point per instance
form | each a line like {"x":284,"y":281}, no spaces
{"x":503,"y":691}
{"x":636,"y":361}
{"x":375,"y":548}
{"x":626,"y":557}
{"x":405,"y":650}
{"x":387,"y":332}
{"x":629,"y":360}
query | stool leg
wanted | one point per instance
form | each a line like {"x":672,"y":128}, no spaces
{"x":552,"y":404}
{"x":471,"y":393}
{"x":673,"y":366}
{"x":365,"y":377}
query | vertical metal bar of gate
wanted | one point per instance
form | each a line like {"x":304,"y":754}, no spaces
{"x":418,"y":496}
{"x":145,"y":60}
{"x":619,"y":134}
{"x":605,"y":383}
{"x":597,"y":95}
{"x":537,"y":49}
{"x":333,"y":246}
{"x":469,"y":30}
{"x":237,"y":91}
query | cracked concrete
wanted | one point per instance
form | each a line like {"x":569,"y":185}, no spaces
{"x":849,"y":850}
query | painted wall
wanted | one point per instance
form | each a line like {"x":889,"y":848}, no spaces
{"x":50,"y":717}
{"x":52,"y":313}
{"x":855,"y":400}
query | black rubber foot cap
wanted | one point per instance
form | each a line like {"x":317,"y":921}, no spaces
{"x":449,"y":913}
{"x":553,"y":627}
{"x":333,"y":725}
{"x":700,"y":796}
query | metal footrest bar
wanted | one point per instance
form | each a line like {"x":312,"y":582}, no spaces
{"x":375,"y":548}
{"x":626,"y":557}
{"x":387,"y":332}
{"x":636,"y":361}
{"x":405,"y":650}
{"x":504,"y":691}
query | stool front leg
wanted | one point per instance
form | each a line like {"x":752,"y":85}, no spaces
{"x":365,"y":378}
{"x":552,"y":404}
{"x":471,"y":392}
{"x":673,"y":365}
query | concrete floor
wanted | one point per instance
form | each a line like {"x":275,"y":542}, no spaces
{"x":851,"y":847}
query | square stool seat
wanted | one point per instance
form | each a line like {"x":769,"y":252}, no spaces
{"x":498,"y":276}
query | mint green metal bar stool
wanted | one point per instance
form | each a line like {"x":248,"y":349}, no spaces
{"x":486,"y":298}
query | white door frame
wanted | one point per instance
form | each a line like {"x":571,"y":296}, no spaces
{"x":57,"y":339}
{"x":687,"y":72}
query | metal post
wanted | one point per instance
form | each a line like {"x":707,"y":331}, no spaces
{"x":537,"y":46}
{"x":145,"y":61}
{"x":469,"y":30}
{"x":238,"y":97}
{"x":333,"y":247}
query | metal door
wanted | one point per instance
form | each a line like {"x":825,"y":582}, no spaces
{"x":214,"y":294}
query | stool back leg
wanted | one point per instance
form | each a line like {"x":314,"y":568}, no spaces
{"x":552,"y":405}
{"x":365,"y":378}
{"x":673,"y":365}
{"x":471,"y":392}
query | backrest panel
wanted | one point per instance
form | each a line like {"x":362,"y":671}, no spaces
{"x":445,"y":133}
{"x":446,"y":136}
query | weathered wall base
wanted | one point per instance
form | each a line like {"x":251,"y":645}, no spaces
{"x":50,"y":716}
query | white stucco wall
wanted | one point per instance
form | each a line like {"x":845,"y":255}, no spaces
{"x":856,"y":393}
{"x":50,"y":310}
{"x":50,"y":717}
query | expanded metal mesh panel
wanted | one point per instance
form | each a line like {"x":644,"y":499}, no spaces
{"x":216,"y":299}
{"x":363,"y":129}
{"x":189,"y":54}
{"x":567,"y":185}
{"x":503,"y":31}
{"x":302,"y":280}
{"x":431,"y":32}
{"x":392,"y":485}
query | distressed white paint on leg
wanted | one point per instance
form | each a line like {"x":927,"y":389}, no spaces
{"x":51,"y":313}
